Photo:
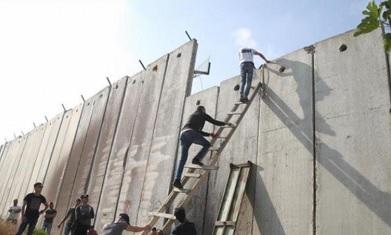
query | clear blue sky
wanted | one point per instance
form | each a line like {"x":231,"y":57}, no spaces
{"x":277,"y":27}
{"x":54,"y":50}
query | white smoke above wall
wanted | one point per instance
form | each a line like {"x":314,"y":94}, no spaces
{"x":243,"y":38}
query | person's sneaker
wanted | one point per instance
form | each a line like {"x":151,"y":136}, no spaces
{"x":177,"y":184}
{"x":245,"y":100}
{"x":197,"y":162}
{"x":242,"y":99}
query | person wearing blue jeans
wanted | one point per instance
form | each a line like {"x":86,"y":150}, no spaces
{"x":246,"y":58}
{"x":192,"y":134}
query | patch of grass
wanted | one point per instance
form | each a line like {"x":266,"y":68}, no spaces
{"x":39,"y":232}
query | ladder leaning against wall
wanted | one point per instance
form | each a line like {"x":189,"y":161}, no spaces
{"x":195,"y":174}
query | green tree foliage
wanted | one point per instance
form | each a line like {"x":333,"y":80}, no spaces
{"x":376,"y":16}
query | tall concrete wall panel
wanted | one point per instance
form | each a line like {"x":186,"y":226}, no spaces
{"x":62,"y":152}
{"x":53,"y":173}
{"x":353,"y":136}
{"x":163,"y":149}
{"x":16,"y":156}
{"x":108,"y":131}
{"x":107,"y":200}
{"x":54,"y":126}
{"x":32,"y":155}
{"x":69,"y":174}
{"x":87,"y":155}
{"x":140,"y":144}
{"x":284,"y":171}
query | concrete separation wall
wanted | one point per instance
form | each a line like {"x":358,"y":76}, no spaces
{"x":353,"y":136}
{"x":318,"y":135}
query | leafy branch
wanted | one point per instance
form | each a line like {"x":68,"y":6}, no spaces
{"x":375,"y":17}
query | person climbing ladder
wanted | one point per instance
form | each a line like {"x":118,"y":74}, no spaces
{"x":192,"y":134}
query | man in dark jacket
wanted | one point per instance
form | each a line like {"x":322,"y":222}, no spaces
{"x":185,"y":227}
{"x":192,"y":134}
{"x":83,"y":216}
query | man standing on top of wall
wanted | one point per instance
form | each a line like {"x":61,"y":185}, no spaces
{"x":246,"y":58}
{"x":192,"y":134}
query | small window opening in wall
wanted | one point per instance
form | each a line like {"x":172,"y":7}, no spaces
{"x":142,"y":81}
{"x":116,"y":86}
{"x":134,"y":81}
{"x":179,"y":55}
{"x":343,"y":48}
{"x":198,"y":102}
{"x":154,"y":68}
{"x":100,"y":96}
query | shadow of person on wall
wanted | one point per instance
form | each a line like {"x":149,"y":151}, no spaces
{"x":377,"y":201}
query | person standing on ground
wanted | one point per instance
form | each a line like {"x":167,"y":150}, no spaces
{"x":14,"y":212}
{"x":122,"y":224}
{"x":246,"y":58}
{"x":192,"y":134}
{"x":49,"y":217}
{"x":71,"y":215}
{"x":30,"y":210}
{"x":185,"y":227}
{"x":84,"y":215}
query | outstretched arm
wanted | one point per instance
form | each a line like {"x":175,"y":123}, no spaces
{"x":262,"y":56}
{"x":138,"y":229}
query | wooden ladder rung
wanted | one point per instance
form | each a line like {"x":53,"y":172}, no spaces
{"x":163,"y":215}
{"x":234,"y":113}
{"x":225,"y":223}
{"x":183,"y":190}
{"x":213,"y":149}
{"x":192,"y":175}
{"x":233,"y":126}
{"x":192,"y":166}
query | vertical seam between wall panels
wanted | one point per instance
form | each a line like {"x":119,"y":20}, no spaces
{"x":188,"y":93}
{"x":152,"y":136}
{"x":97,"y":141}
{"x":388,"y":69}
{"x":82,"y":149}
{"x":314,"y":186}
{"x":111,"y":146}
{"x":127,"y":150}
{"x":13,"y":177}
{"x":69,"y":155}
{"x":54,"y":144}
{"x":207,"y":180}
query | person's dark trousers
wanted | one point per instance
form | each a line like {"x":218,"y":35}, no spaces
{"x":188,"y":138}
{"x":246,"y":72}
{"x":31,"y":221}
{"x":81,"y":229}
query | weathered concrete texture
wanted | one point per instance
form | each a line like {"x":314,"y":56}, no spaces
{"x":54,"y":126}
{"x":284,"y":177}
{"x":353,"y":136}
{"x":75,"y":156}
{"x":163,"y":149}
{"x":136,"y":160}
{"x":16,"y":156}
{"x":32,"y":155}
{"x":107,"y":201}
{"x":62,"y":152}
{"x":241,"y":148}
{"x":108,"y":130}
{"x":207,"y":98}
{"x":91,"y":141}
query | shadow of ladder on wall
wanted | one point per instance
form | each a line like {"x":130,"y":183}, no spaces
{"x":196,"y":174}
